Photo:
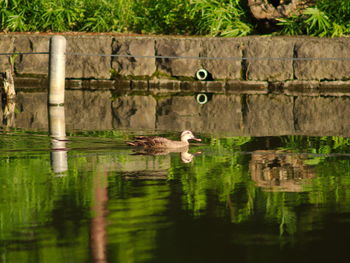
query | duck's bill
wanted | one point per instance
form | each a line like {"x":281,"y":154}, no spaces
{"x":197,"y":139}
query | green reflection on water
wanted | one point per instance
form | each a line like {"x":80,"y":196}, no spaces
{"x":41,"y":215}
{"x":114,"y":206}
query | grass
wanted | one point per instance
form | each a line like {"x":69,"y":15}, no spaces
{"x":219,"y":18}
{"x":229,"y":18}
{"x":326,"y":18}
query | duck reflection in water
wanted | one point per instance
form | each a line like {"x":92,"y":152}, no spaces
{"x":155,"y":145}
{"x":185,"y":156}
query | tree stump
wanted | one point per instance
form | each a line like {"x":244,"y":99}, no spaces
{"x":274,"y":9}
{"x":9,"y":85}
{"x":9,"y":97}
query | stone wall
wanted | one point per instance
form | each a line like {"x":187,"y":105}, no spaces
{"x":195,"y":48}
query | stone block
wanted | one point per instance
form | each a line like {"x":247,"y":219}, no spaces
{"x":179,"y":113}
{"x":300,"y":87}
{"x":322,"y":68}
{"x":88,"y":110}
{"x":317,"y":88}
{"x":202,"y":86}
{"x":139,"y":85}
{"x":220,"y":114}
{"x":36,"y":64}
{"x":223,"y":114}
{"x":275,"y":69}
{"x":135,"y":112}
{"x":193,"y":86}
{"x":6,"y":46}
{"x":335,"y":88}
{"x":31,"y":84}
{"x":123,"y":84}
{"x":74,"y":84}
{"x":85,"y":66}
{"x":215,"y":86}
{"x":31,"y":110}
{"x":228,"y":53}
{"x":246,"y":87}
{"x":100,"y":84}
{"x":164,"y":86}
{"x":269,"y":115}
{"x":135,"y":66}
{"x":322,"y":116}
{"x":178,"y":47}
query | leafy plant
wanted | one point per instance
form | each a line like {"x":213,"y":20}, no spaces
{"x":317,"y":21}
{"x":106,"y":16}
{"x":221,"y":18}
{"x":162,"y":16}
{"x":228,"y":18}
{"x":61,"y":15}
{"x":326,"y":18}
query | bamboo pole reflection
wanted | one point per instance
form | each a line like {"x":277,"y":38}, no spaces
{"x":57,"y":129}
{"x":98,"y":222}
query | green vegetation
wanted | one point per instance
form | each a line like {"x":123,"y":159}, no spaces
{"x":191,"y":17}
{"x":140,"y":16}
{"x":327,"y":18}
{"x":228,"y":176}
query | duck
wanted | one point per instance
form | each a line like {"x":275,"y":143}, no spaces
{"x":156,"y":142}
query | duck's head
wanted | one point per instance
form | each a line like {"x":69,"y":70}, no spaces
{"x":188,"y":135}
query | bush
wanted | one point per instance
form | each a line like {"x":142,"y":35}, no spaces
{"x":221,"y":18}
{"x":187,"y":17}
{"x":327,"y":18}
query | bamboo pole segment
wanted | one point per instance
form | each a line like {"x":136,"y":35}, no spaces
{"x":57,"y":70}
{"x":57,"y":128}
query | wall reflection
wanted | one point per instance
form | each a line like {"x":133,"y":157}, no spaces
{"x":238,"y":114}
{"x":280,"y":171}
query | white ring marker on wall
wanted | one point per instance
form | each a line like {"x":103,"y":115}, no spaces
{"x":202,"y":74}
{"x":202,"y":98}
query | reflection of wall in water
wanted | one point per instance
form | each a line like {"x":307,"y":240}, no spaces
{"x":280,"y":171}
{"x":135,"y":112}
{"x":178,"y":113}
{"x":88,"y":110}
{"x":253,"y":115}
{"x":241,"y":114}
{"x":221,"y":114}
{"x":84,"y":110}
{"x":31,"y":110}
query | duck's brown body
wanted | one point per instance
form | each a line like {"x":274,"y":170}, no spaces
{"x":155,"y":142}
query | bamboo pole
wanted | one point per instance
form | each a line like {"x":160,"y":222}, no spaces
{"x":57,"y":70}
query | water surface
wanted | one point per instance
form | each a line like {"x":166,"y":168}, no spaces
{"x":243,"y":199}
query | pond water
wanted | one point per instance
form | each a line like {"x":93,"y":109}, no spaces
{"x":243,"y":199}
{"x":256,"y":189}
